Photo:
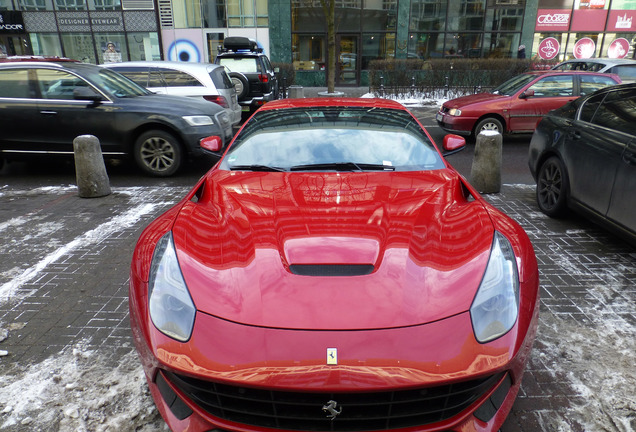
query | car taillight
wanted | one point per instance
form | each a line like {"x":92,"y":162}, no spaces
{"x":217,"y":99}
{"x":263,"y":78}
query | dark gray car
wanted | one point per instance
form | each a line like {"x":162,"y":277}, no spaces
{"x":45,"y":105}
{"x":583,"y":157}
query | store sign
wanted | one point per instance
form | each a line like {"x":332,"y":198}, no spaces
{"x":622,"y":21}
{"x":588,"y":20}
{"x":549,"y":48}
{"x":618,"y":49}
{"x":86,"y":21}
{"x":553,"y":20}
{"x":584,"y":48}
{"x":11,"y":22}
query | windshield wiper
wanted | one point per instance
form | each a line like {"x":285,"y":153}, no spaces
{"x":256,"y":168}
{"x":343,"y":166}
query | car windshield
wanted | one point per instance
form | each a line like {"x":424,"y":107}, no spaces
{"x":240,"y":64}
{"x":513,"y":85}
{"x":332,"y":139}
{"x":117,"y":85}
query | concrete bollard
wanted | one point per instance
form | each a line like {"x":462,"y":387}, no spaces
{"x":485,"y":173}
{"x":296,"y":92}
{"x":90,"y":170}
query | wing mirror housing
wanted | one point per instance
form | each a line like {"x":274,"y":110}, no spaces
{"x":86,"y":93}
{"x":527,"y":94}
{"x":453,"y":144}
{"x":213,"y":144}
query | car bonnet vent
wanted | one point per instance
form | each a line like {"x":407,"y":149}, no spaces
{"x":331,"y":269}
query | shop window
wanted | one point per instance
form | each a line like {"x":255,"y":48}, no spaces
{"x":377,"y":46}
{"x":379,"y":15}
{"x":46,"y":44}
{"x":36,"y":5}
{"x":428,"y":15}
{"x":308,"y":52}
{"x":143,"y":46}
{"x":70,"y":5}
{"x":79,"y":46}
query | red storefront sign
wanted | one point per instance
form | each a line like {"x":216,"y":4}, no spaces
{"x":553,"y":20}
{"x":618,"y":49}
{"x":588,"y":20}
{"x":621,"y":21}
{"x":548,"y":48}
{"x":584,"y":48}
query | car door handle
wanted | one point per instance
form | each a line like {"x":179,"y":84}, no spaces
{"x":629,"y":158}
{"x":574,"y":135}
{"x":48,"y":112}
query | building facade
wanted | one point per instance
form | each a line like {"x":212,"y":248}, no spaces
{"x":295,"y":32}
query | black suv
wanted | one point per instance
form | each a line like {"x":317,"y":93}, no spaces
{"x":45,"y":105}
{"x":250,"y":70}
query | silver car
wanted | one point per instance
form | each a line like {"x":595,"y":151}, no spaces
{"x":202,"y":80}
{"x":624,"y":68}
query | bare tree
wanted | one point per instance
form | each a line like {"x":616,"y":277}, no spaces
{"x":329,"y":7}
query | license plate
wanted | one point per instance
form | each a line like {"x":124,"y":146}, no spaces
{"x":439,"y":117}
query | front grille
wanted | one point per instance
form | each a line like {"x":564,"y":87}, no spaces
{"x":331,"y":269}
{"x":358,"y":411}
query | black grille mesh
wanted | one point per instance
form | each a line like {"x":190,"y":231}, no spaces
{"x":360,"y":411}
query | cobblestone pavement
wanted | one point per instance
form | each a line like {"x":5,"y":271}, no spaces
{"x":64,"y":266}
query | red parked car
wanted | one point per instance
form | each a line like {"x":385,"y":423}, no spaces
{"x":517,"y":105}
{"x":333,"y":273}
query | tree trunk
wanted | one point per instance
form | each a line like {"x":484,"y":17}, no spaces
{"x":329,"y":7}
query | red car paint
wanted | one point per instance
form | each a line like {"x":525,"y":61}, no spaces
{"x":406,"y":325}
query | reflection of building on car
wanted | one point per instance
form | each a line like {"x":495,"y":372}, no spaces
{"x":624,"y":68}
{"x":47,"y":104}
{"x":250,"y":70}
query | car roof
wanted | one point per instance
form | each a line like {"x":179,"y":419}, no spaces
{"x":607,"y":61}
{"x":34,"y":58}
{"x":184,"y":66}
{"x":50,"y":65}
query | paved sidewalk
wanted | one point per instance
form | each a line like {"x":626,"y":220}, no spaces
{"x":69,"y":363}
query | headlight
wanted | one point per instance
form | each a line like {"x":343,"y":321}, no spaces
{"x":496,"y":306}
{"x":171,"y":308}
{"x":455,"y":112}
{"x":199,"y":120}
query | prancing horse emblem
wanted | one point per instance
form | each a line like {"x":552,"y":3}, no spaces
{"x":332,"y":409}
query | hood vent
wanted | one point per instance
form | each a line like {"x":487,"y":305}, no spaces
{"x":331,"y":269}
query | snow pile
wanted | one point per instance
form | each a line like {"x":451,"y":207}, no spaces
{"x":78,"y":391}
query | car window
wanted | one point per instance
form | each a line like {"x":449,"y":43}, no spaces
{"x":513,"y":85}
{"x":240,"y":64}
{"x":221,"y":79}
{"x":591,"y":83}
{"x":553,"y":86}
{"x":288,"y":139}
{"x":56,"y":84}
{"x":14,"y":83}
{"x":175,"y":78}
{"x":116,"y":85}
{"x":590,"y":106}
{"x":618,"y":111}
{"x":626,"y":72}
{"x":137,"y":74}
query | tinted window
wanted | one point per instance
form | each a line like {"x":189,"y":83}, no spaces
{"x":221,"y":79}
{"x":174,"y":78}
{"x":626,"y":72}
{"x":589,"y":107}
{"x":56,"y":84}
{"x":618,"y":111}
{"x":513,"y":85}
{"x":14,"y":83}
{"x":553,"y":86}
{"x":137,"y":74}
{"x":591,"y":83}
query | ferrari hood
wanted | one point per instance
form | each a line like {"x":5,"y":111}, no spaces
{"x":332,"y":250}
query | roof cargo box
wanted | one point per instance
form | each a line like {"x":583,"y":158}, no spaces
{"x":236,"y":43}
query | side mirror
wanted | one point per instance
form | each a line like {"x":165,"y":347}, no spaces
{"x":453,"y":144}
{"x":212,"y":144}
{"x":526,"y":94}
{"x":87,"y":94}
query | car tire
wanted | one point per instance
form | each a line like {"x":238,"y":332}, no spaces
{"x":489,"y":124}
{"x":158,"y":153}
{"x":553,"y":188}
{"x":241,"y":84}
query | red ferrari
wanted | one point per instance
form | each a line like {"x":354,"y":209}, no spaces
{"x":333,"y":272}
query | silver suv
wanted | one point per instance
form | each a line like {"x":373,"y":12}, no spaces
{"x":205,"y":81}
{"x":624,"y":68}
